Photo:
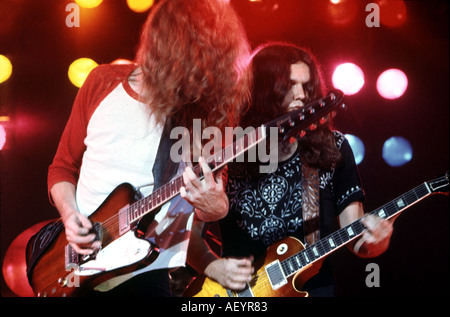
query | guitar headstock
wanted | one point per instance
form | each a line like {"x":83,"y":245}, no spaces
{"x":308,"y":117}
{"x":439,"y":185}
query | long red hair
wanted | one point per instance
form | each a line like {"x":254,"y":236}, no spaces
{"x":194,"y":60}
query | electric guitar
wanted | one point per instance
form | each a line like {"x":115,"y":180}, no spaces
{"x":55,"y":269}
{"x":287,"y":264}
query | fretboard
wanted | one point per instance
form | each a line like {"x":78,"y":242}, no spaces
{"x":344,"y":235}
{"x":216,"y":161}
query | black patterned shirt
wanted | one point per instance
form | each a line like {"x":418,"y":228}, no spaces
{"x":265,"y":208}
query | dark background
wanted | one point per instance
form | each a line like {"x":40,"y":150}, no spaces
{"x":38,"y":99}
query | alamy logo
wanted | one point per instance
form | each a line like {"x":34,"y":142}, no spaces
{"x":73,"y":18}
{"x":373,"y":278}
{"x":181,"y":149}
{"x":373,"y":18}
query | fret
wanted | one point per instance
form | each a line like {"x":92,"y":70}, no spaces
{"x":228,"y":153}
{"x":309,"y":252}
{"x":323,"y":248}
{"x":410,"y":199}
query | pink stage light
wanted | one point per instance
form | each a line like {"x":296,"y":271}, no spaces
{"x":2,"y":137}
{"x":349,"y":78}
{"x":392,"y":83}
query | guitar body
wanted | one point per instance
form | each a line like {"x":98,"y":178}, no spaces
{"x":52,"y":275}
{"x":260,"y":286}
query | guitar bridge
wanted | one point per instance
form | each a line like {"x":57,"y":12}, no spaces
{"x":71,"y":258}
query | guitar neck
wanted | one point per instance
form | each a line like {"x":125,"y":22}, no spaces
{"x":329,"y":244}
{"x":163,"y":194}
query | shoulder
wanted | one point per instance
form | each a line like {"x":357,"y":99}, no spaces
{"x":111,"y":72}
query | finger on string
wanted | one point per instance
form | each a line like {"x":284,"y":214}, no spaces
{"x":207,"y":172}
{"x":192,"y":178}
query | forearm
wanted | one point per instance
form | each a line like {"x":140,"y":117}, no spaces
{"x":63,"y":196}
{"x":199,"y":253}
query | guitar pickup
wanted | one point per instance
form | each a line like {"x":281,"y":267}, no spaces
{"x":276,"y":275}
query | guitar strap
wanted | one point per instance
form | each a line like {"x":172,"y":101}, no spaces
{"x":310,"y":204}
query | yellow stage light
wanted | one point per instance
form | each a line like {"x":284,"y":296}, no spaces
{"x":140,"y":5}
{"x":5,"y":68}
{"x":88,"y":3}
{"x":80,"y":69}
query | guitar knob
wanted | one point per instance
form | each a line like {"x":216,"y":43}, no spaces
{"x":312,"y":127}
{"x":323,"y":120}
{"x":302,"y":133}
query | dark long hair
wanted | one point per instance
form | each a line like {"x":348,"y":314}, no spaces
{"x":271,"y":70}
{"x":194,"y":57}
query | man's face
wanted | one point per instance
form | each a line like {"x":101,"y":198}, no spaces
{"x":299,"y":77}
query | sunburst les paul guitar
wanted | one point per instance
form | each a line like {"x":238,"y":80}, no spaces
{"x":54,"y":269}
{"x":287,"y":264}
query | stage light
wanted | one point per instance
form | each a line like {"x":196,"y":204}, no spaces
{"x":122,"y":61}
{"x":357,"y":147}
{"x":349,"y":78}
{"x":5,"y":68}
{"x":2,"y":137}
{"x":392,"y":13}
{"x":397,"y":151}
{"x":392,"y":83}
{"x":140,"y":5}
{"x":80,"y":69}
{"x":88,"y":4}
{"x":341,"y":12}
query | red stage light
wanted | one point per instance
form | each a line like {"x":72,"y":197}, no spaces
{"x":392,"y":13}
{"x":392,"y":83}
{"x":349,"y":78}
{"x":341,"y":12}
